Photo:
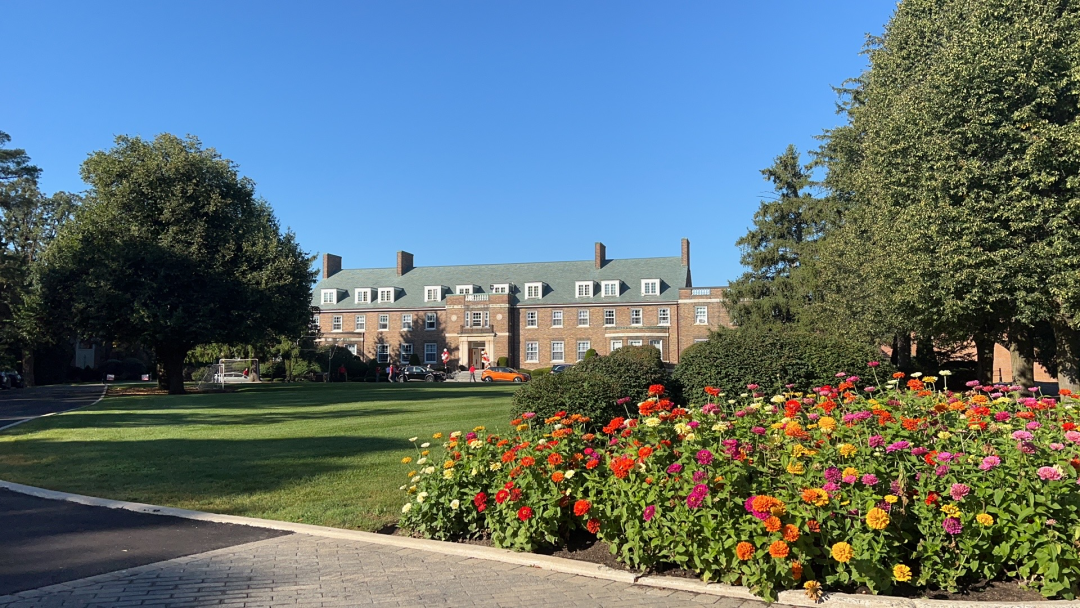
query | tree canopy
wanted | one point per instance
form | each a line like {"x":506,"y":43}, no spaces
{"x":173,"y":249}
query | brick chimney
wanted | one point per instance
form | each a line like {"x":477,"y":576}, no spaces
{"x":404,"y":262}
{"x":331,"y":265}
{"x":686,"y":252}
{"x":601,"y":255}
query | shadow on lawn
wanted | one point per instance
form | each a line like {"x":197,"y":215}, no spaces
{"x":173,"y":470}
{"x":104,"y":418}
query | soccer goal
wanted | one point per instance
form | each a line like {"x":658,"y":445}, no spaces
{"x":229,"y":371}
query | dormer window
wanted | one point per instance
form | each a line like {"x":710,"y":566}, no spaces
{"x":500,"y":288}
{"x":363,"y":295}
{"x":386,"y":294}
{"x":329,"y":296}
{"x":584,"y":289}
{"x":534,"y":291}
{"x":650,"y":287}
{"x":464,"y":290}
{"x":611,"y":289}
{"x":433,"y":293}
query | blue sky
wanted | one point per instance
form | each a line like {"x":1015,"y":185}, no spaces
{"x":464,"y":132}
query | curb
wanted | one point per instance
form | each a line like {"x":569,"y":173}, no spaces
{"x":544,"y":562}
{"x":104,"y":391}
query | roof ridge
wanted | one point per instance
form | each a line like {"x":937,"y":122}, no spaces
{"x":669,"y":257}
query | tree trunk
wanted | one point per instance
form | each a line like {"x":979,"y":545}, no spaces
{"x":1022,"y":354}
{"x":1068,"y":357}
{"x":903,"y":352}
{"x":171,"y":368}
{"x":984,"y":362}
{"x":28,"y":367}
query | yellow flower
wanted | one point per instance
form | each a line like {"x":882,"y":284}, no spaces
{"x":425,"y":452}
{"x":455,"y":434}
{"x":690,"y":437}
{"x":796,"y":468}
{"x":842,"y":552}
{"x":813,"y":590}
{"x":877,"y":519}
{"x":652,"y":422}
{"x":522,"y":427}
{"x":944,"y":435}
{"x":407,"y":507}
{"x":848,"y":472}
{"x":449,"y":464}
{"x":847,"y":450}
{"x":891,"y":499}
{"x":475,"y":444}
{"x":985,"y":519}
{"x":478,"y":429}
{"x":779,"y":510}
{"x":682,"y":428}
{"x":437,"y":436}
{"x":411,"y":473}
{"x":406,"y":460}
{"x":448,"y":474}
{"x":951,"y":510}
{"x":930,"y":379}
{"x":827,"y":424}
{"x":421,"y":497}
{"x":427,"y":470}
{"x":495,"y":466}
{"x":901,"y":573}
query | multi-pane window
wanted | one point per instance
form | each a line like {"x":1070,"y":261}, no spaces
{"x":533,"y":290}
{"x":557,"y":348}
{"x":335,"y":323}
{"x":363,"y":295}
{"x":406,"y":322}
{"x":611,"y":288}
{"x":659,"y":345}
{"x":532,"y":352}
{"x":477,"y":319}
{"x":384,"y":322}
{"x":382,"y":353}
{"x":433,"y":294}
{"x":583,"y":317}
{"x":556,"y":318}
{"x":616,"y":345}
{"x":609,"y":317}
{"x":583,"y":347}
{"x":500,"y":288}
{"x":329,"y":296}
{"x":635,"y":316}
{"x":431,"y":352}
{"x":650,"y":287}
{"x":584,"y":289}
{"x":464,"y":290}
{"x":701,"y":315}
{"x":361,"y":322}
{"x":633,"y":342}
{"x":663,"y":316}
{"x":406,"y":352}
{"x":431,"y":320}
{"x":530,"y":318}
{"x":386,"y":294}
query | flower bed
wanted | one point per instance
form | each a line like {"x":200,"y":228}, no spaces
{"x":842,"y":486}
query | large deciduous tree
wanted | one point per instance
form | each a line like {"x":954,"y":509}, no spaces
{"x":173,"y":249}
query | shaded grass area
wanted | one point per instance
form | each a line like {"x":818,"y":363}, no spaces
{"x":312,"y":453}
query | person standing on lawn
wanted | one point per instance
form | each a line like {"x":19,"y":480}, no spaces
{"x":472,"y":372}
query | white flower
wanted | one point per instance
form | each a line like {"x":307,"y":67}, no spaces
{"x":422,"y":460}
{"x":495,"y":466}
{"x":916,"y":375}
{"x":541,"y":443}
{"x":425,"y":445}
{"x":474,"y":472}
{"x":570,"y":473}
{"x":413,"y":439}
{"x":454,"y":504}
{"x":731,"y":402}
{"x":944,"y":372}
{"x":428,"y":470}
{"x":475,"y":443}
{"x":415,"y":478}
{"x":407,"y":507}
{"x":402,"y":488}
{"x":558,"y":426}
{"x":777,"y":399}
{"x":421,"y":497}
{"x":455,"y":434}
{"x":652,"y":422}
{"x":744,"y":394}
{"x":691,"y":437}
{"x":448,"y":474}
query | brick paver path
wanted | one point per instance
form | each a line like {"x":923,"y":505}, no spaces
{"x":302,"y":570}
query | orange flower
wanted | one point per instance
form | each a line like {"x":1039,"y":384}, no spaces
{"x":815,"y":496}
{"x":528,"y":461}
{"x":591,"y":463}
{"x":898,"y":375}
{"x":554,"y":460}
{"x":796,"y":570}
{"x":772,"y":523}
{"x":779,"y":549}
{"x":714,"y":392}
{"x":558,"y":476}
{"x":791,"y":533}
{"x":593,"y":525}
{"x":656,"y":389}
{"x":744,"y":551}
{"x":813,"y":526}
{"x":644,"y":452}
{"x":915,"y":384}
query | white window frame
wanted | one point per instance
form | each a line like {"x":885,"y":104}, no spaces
{"x":433,"y":293}
{"x":650,"y":287}
{"x":635,"y":315}
{"x":501,"y":288}
{"x":560,"y":353}
{"x":360,"y":323}
{"x":431,"y":321}
{"x":556,"y":315}
{"x":532,"y":352}
{"x":583,"y":317}
{"x":583,"y":289}
{"x":384,"y":322}
{"x":476,"y":318}
{"x":464,"y":290}
{"x":616,"y":345}
{"x":581,"y":353}
{"x":382,"y":353}
{"x":532,"y":319}
{"x":659,"y":345}
{"x":351,"y":348}
{"x":336,"y":322}
{"x":431,"y":352}
{"x":406,"y":322}
{"x":329,"y":296}
{"x":531,"y":287}
{"x":405,"y":351}
{"x":633,"y":342}
{"x":612,"y":287}
{"x":386,"y":294}
{"x":663,"y":317}
{"x":362,"y":295}
{"x":701,"y":315}
{"x":606,"y":311}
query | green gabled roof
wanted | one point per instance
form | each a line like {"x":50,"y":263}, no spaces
{"x":559,"y":279}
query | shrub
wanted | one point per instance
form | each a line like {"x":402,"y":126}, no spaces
{"x":633,"y":369}
{"x":502,"y":362}
{"x":586,"y":393}
{"x":540,"y":371}
{"x":589,"y":354}
{"x":414,"y":359}
{"x":733,"y":358}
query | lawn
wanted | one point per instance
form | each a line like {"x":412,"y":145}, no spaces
{"x":312,"y":453}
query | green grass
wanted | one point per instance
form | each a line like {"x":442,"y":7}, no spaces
{"x":311,"y":453}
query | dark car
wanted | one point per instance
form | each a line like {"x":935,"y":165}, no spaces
{"x":416,"y":372}
{"x":558,"y":369}
{"x":11,"y":379}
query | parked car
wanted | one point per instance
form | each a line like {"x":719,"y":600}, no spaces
{"x":11,"y":379}
{"x":558,"y":369}
{"x":230,"y":377}
{"x":416,"y":372}
{"x":503,"y":374}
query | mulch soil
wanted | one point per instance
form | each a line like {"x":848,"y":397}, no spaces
{"x":586,"y":548}
{"x":151,"y":389}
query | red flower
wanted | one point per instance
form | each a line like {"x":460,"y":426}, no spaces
{"x":621,"y":466}
{"x":656,"y":390}
{"x":931,"y":498}
{"x":515,"y":495}
{"x":582,"y":507}
{"x":501,"y":496}
{"x":525,"y":513}
{"x":644,"y":452}
{"x":528,"y":461}
{"x":712,"y":391}
{"x":1068,"y":426}
{"x":554,"y":460}
{"x":591,"y":464}
{"x":593,"y":525}
{"x":480,"y":500}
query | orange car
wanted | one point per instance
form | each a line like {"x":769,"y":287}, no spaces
{"x":503,"y":374}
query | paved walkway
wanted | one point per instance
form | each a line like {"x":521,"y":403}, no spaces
{"x":20,"y":404}
{"x":301,"y":570}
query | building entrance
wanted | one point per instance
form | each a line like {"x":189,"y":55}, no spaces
{"x":475,"y":352}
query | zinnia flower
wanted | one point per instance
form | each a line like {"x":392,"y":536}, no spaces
{"x":958,"y":491}
{"x":1053,"y":473}
{"x":524,"y":513}
{"x":989,"y":463}
{"x":901,"y":573}
{"x":876,"y":441}
{"x":772,"y":523}
{"x":790,"y":533}
{"x":650,"y":512}
{"x":582,"y":507}
{"x":843,"y":552}
{"x":952,"y":525}
{"x":985,"y":519}
{"x":779,"y":549}
{"x":744,"y":551}
{"x":869,"y":479}
{"x":877,"y":519}
{"x":674,"y":468}
{"x":704,"y":458}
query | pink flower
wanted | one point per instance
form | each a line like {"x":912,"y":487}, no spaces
{"x":650,"y":511}
{"x":869,"y":479}
{"x":1050,"y":473}
{"x":1072,"y":436}
{"x":958,"y":491}
{"x":873,"y":364}
{"x":751,"y":387}
{"x":758,"y":430}
{"x":952,"y":525}
{"x":1022,"y":435}
{"x":830,"y":486}
{"x":989,"y":463}
{"x":849,"y":479}
{"x":709,"y":408}
{"x":876,"y":441}
{"x":674,"y":469}
{"x":1057,"y":447}
{"x":1001,"y":416}
{"x":528,"y":415}
{"x":1031,"y":426}
{"x":704,"y":458}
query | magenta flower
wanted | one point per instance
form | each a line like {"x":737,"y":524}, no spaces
{"x":1001,"y":416}
{"x":832,"y":474}
{"x":876,"y":441}
{"x":899,"y":445}
{"x":989,"y":463}
{"x":869,"y":479}
{"x":972,"y":383}
{"x":941,"y":470}
{"x":758,"y":430}
{"x":528,"y":415}
{"x":704,"y":458}
{"x":622,"y":401}
{"x":1026,"y":447}
{"x":709,"y":408}
{"x":693,"y":424}
{"x":650,"y":511}
{"x":919,"y":451}
{"x":1022,"y":435}
{"x":854,"y":379}
{"x":813,"y":416}
{"x":952,"y":525}
{"x":674,"y":468}
{"x":699,"y":476}
{"x":873,"y":364}
{"x":740,"y":413}
{"x":958,"y":491}
{"x":1050,"y":473}
{"x":1032,"y":426}
{"x":830,"y":486}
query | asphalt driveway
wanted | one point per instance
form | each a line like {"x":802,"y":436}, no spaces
{"x":21,"y":404}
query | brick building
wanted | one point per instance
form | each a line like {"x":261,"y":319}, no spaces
{"x":535,"y":314}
